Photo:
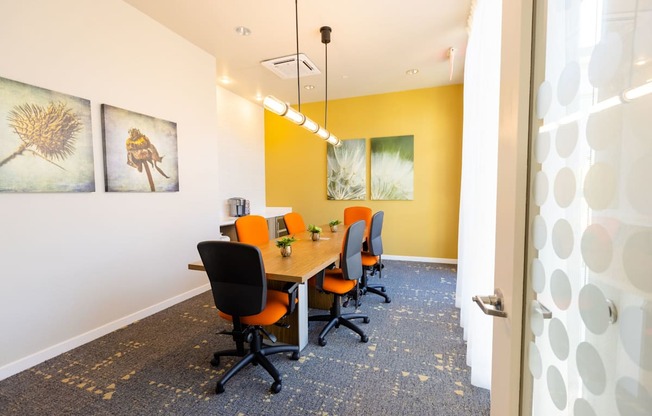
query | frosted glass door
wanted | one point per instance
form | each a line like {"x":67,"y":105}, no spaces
{"x":590,"y":211}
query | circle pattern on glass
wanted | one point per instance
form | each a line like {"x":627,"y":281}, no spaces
{"x":591,"y":368}
{"x":605,"y":59}
{"x":562,"y":239}
{"x":638,"y":180}
{"x":556,"y":387}
{"x":604,"y":128}
{"x":597,"y":248}
{"x":583,"y":408}
{"x":544,"y":99}
{"x":558,"y":338}
{"x":534,"y":359}
{"x":636,"y":116}
{"x":540,"y":188}
{"x":565,"y":186}
{"x":599,"y":186}
{"x":636,"y":334}
{"x":538,"y":276}
{"x":560,"y":289}
{"x":593,"y":309}
{"x":569,"y":83}
{"x":566,"y":139}
{"x":637,"y":259}
{"x":542,"y":146}
{"x":539,"y":233}
{"x":632,"y":398}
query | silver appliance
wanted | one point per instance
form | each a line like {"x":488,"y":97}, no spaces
{"x":238,"y":207}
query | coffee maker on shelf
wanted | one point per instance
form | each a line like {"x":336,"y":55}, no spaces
{"x":238,"y":207}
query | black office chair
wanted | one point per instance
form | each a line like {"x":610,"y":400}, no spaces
{"x":342,"y":280}
{"x":239,"y":285}
{"x":372,"y":259}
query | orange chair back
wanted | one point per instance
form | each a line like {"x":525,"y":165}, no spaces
{"x":252,"y":229}
{"x":294,"y":223}
{"x":353,"y":214}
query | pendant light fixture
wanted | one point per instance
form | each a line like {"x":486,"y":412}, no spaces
{"x":281,"y":108}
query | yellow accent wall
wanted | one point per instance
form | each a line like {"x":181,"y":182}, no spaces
{"x":295,"y":165}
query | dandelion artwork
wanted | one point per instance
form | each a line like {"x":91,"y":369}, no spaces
{"x":140,"y":152}
{"x":347,"y":170}
{"x":392,"y":168}
{"x":46,"y":143}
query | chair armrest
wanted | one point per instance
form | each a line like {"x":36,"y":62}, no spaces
{"x":292,"y":290}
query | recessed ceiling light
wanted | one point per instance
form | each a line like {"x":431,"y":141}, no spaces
{"x":309,"y":87}
{"x":225,"y":80}
{"x":412,"y":71}
{"x":243,"y":31}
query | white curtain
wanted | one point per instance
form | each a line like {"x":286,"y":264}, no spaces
{"x":477,"y":224}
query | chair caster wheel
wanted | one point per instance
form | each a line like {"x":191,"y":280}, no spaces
{"x":276,"y":387}
{"x":215,"y":362}
{"x":219,"y":389}
{"x":322,"y":342}
{"x":365,"y":320}
{"x":388,"y":300}
{"x":364,"y":338}
{"x":295,"y":356}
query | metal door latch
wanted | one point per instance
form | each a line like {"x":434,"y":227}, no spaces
{"x":495,"y":300}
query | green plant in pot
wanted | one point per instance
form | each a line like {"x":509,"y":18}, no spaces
{"x":285,"y":244}
{"x":333,"y":224}
{"x":314,"y":232}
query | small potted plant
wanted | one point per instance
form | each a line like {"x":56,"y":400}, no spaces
{"x":285,"y":244}
{"x":333,"y":224}
{"x":314,"y":232}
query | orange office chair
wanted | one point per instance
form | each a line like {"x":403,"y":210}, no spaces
{"x":341,"y":281}
{"x":371,"y":259}
{"x":252,"y":229}
{"x":353,"y":214}
{"x":239,"y":285}
{"x":294,"y":223}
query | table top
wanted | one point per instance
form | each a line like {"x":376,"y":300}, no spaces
{"x":308,"y":257}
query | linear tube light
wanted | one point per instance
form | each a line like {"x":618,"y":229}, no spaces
{"x":280,"y":108}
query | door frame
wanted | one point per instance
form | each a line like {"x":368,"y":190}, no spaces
{"x":511,"y":206}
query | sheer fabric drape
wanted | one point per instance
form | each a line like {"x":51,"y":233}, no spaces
{"x":477,"y":223}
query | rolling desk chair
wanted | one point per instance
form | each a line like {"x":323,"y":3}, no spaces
{"x":357,"y":213}
{"x":341,"y":281}
{"x":371,"y":259}
{"x":252,"y":229}
{"x":239,"y":286}
{"x":294,"y":223}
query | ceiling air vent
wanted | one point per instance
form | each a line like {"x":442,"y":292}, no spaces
{"x":286,"y":66}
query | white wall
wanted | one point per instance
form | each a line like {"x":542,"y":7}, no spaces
{"x":74,"y":266}
{"x":242,"y":150}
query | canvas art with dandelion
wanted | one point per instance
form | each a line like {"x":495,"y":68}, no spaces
{"x":392,"y":168}
{"x":140,"y":152}
{"x":45,"y":140}
{"x":347,"y":170}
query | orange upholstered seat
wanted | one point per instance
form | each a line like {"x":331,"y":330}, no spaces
{"x":252,"y":229}
{"x":294,"y":223}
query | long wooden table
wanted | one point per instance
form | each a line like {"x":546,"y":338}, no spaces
{"x":308,"y":258}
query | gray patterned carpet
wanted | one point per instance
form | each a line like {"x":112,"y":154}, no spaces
{"x":414,"y":364}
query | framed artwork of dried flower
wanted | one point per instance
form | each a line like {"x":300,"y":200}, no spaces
{"x":140,"y":152}
{"x":46,"y":143}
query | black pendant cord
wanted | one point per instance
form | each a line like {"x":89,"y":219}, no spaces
{"x":326,"y":92}
{"x":296,"y":33}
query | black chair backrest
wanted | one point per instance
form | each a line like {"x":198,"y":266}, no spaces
{"x":375,"y":239}
{"x":237,"y":276}
{"x":351,"y":262}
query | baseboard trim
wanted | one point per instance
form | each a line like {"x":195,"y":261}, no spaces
{"x":422,"y":259}
{"x":24,"y":363}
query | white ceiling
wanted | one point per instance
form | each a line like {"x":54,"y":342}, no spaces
{"x":373,"y":42}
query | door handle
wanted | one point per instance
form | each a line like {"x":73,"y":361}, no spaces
{"x":495,"y":300}
{"x":547,"y":313}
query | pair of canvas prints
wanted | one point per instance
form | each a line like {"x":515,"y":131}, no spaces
{"x":46,"y":145}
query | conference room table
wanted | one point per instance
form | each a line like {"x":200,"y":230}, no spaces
{"x":307,"y":260}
